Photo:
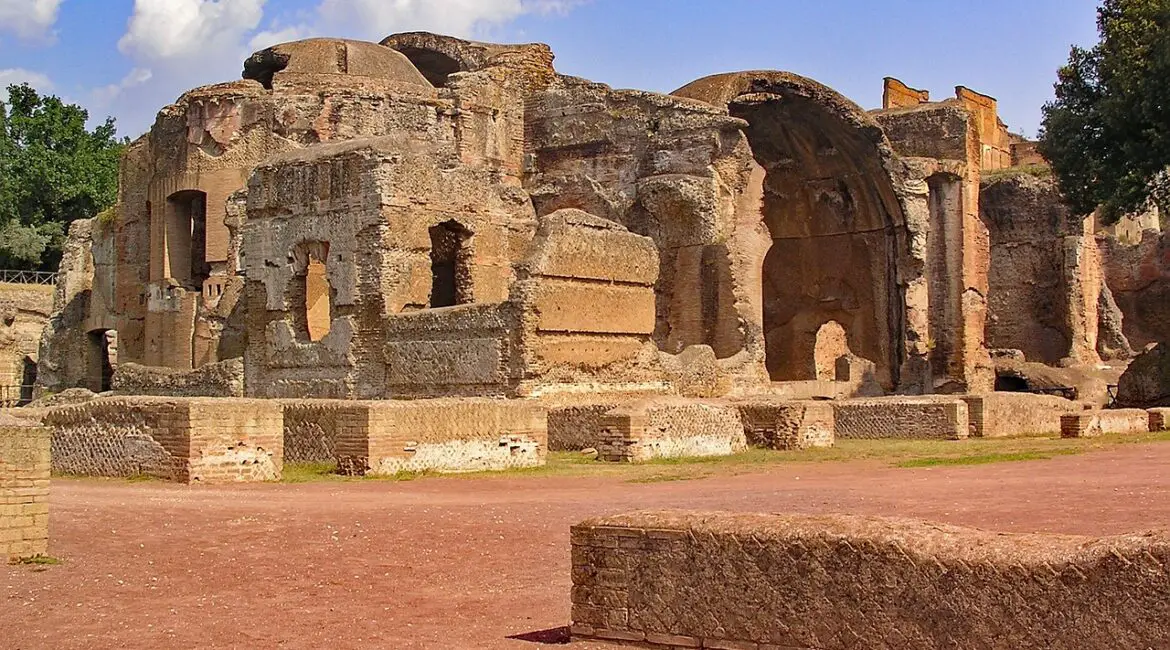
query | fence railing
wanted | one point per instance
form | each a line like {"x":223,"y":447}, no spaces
{"x":13,"y":396}
{"x":28,"y":277}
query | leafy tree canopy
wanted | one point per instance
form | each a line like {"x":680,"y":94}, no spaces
{"x":1107,"y":134}
{"x":53,"y":170}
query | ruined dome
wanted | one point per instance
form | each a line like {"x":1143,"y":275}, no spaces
{"x":332,"y":56}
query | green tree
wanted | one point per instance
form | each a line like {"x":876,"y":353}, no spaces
{"x":53,"y":170}
{"x":1107,"y":134}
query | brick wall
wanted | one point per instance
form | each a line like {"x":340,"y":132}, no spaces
{"x":751,"y":582}
{"x":189,"y":440}
{"x":440,"y":435}
{"x":1159,"y":419}
{"x":24,"y":491}
{"x":1090,"y":424}
{"x":902,"y":417}
{"x":1001,"y":415}
{"x":670,"y":428}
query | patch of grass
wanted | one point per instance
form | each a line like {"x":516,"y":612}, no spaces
{"x":309,"y":472}
{"x":668,"y":477}
{"x":986,"y":459}
{"x":38,"y":560}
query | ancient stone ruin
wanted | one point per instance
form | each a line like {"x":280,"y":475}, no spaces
{"x":432,"y":219}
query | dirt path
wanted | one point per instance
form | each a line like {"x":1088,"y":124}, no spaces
{"x":462,"y":563}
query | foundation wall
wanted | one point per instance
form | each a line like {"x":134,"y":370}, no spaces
{"x":1002,"y":415}
{"x":179,"y":439}
{"x":670,"y":428}
{"x":901,"y":417}
{"x":311,"y":429}
{"x":755,"y":582}
{"x":24,"y":492}
{"x":440,"y":435}
{"x":1091,"y":424}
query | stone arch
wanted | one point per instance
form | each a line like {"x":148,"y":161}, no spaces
{"x":835,"y":220}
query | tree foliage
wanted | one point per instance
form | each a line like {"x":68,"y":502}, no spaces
{"x":53,"y":170}
{"x":1107,"y":134}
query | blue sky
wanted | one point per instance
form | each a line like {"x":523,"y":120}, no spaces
{"x":128,"y":58}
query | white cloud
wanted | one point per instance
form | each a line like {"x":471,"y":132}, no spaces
{"x":375,"y":19}
{"x":29,"y":19}
{"x":17,"y":76}
{"x":104,"y":95}
{"x":187,"y":29}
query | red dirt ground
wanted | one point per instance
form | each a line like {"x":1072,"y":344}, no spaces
{"x":462,"y":563}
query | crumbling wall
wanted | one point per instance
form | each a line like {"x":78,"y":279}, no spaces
{"x":441,"y":435}
{"x":1139,"y":277}
{"x":222,"y":379}
{"x":670,"y":428}
{"x":720,"y":580}
{"x":175,"y":439}
{"x":24,"y":490}
{"x":676,"y":171}
{"x":1045,"y":276}
{"x":24,"y":312}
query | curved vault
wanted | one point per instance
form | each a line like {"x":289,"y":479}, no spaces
{"x":834,"y":218}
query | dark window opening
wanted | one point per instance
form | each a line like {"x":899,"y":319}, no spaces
{"x":187,"y":238}
{"x":450,"y":265}
{"x":101,"y":368}
{"x":435,"y":66}
{"x":1011,"y":384}
{"x":28,"y":380}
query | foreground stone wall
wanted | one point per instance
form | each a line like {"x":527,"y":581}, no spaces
{"x":902,"y":417}
{"x":24,"y":490}
{"x":1001,"y":415}
{"x":694,"y":580}
{"x":440,"y":435}
{"x":177,"y":439}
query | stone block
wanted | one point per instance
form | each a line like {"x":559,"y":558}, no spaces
{"x":774,"y":424}
{"x":24,"y":490}
{"x":189,"y":440}
{"x":943,"y":418}
{"x":1002,"y":415}
{"x":670,"y":428}
{"x":844,"y":582}
{"x":594,"y":308}
{"x":440,"y":435}
{"x":1091,"y":424}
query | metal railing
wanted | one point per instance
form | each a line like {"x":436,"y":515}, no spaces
{"x":28,"y":277}
{"x":13,"y":396}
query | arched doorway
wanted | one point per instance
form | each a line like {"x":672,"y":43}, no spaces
{"x":836,"y":224}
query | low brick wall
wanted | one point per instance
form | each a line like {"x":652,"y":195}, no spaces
{"x":1003,"y":415}
{"x":1090,"y":424}
{"x":188,"y":440}
{"x":670,"y":428}
{"x":24,"y":491}
{"x":758,"y":582}
{"x":310,"y":430}
{"x":440,"y":435}
{"x":223,"y":379}
{"x":902,"y":417}
{"x":786,"y":425}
